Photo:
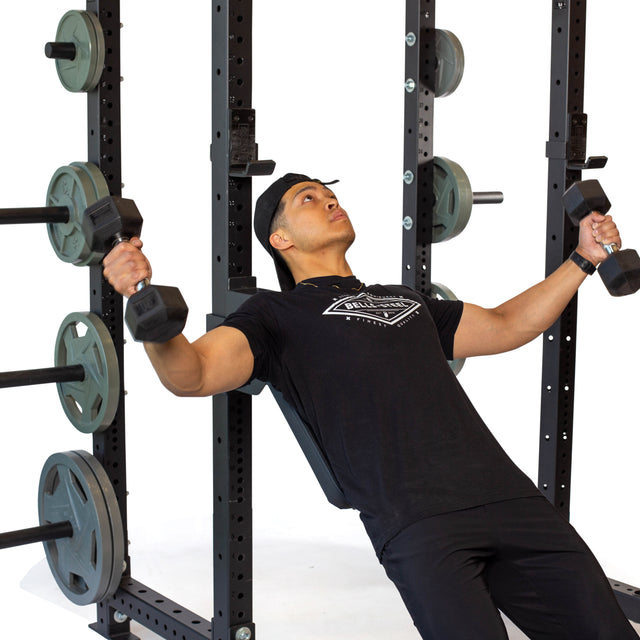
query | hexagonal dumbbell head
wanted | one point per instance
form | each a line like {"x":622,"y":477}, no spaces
{"x":108,"y":220}
{"x":581,"y":198}
{"x":156,"y":314}
{"x":620,"y":272}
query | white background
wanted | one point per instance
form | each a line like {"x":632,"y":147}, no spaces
{"x":328,"y":90}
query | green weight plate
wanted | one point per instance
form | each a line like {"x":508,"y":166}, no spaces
{"x":100,"y":190}
{"x":449,"y":63}
{"x":83,"y":29}
{"x":100,"y":186}
{"x":92,"y":403}
{"x":453,"y":200}
{"x":73,"y":188}
{"x":100,"y":50}
{"x":440,"y":292}
{"x":117,"y":530}
{"x":82,"y":564}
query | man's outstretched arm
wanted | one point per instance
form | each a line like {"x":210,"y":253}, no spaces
{"x":519,"y":320}
{"x":219,"y":361}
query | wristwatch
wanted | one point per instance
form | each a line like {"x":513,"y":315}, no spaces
{"x":586,"y":265}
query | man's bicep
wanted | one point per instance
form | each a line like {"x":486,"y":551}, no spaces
{"x":227,"y":359}
{"x":479,"y":332}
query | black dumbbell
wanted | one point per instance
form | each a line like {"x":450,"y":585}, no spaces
{"x":620,"y":272}
{"x":154,"y":313}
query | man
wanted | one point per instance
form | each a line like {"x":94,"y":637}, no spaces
{"x":460,"y":530}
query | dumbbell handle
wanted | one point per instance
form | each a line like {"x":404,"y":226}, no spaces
{"x":488,"y":197}
{"x":34,"y":215}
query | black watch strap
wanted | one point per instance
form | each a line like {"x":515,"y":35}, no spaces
{"x":586,"y":265}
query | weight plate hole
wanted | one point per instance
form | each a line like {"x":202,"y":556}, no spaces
{"x":78,"y":488}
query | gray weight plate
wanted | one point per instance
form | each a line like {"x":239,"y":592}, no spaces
{"x":440,"y":292}
{"x":98,"y":52}
{"x":92,"y":403}
{"x":81,"y":565}
{"x":453,"y":199}
{"x":115,"y":518}
{"x":101,"y":188}
{"x":71,"y":187}
{"x":83,"y":29}
{"x":449,"y":63}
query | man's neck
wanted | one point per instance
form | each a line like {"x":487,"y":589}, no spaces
{"x":318,"y":269}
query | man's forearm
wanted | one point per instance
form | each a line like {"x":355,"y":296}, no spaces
{"x":523,"y":318}
{"x":536,"y":309}
{"x":519,"y":320}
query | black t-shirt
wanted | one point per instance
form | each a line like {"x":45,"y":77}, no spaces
{"x":366,"y":367}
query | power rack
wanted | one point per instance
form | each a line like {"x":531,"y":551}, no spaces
{"x":234,"y":156}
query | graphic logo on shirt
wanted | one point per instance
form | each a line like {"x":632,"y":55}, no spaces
{"x":386,"y":310}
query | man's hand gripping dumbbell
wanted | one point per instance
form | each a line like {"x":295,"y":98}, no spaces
{"x":154,"y":313}
{"x":619,"y":270}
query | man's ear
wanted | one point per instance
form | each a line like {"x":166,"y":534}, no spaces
{"x":279,"y":240}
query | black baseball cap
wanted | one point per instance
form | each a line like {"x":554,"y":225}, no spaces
{"x":266,"y":207}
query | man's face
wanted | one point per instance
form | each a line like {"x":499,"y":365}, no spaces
{"x":313,"y":219}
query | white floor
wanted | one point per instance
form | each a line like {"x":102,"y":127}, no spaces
{"x":315,"y":590}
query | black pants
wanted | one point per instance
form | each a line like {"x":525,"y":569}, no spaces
{"x":455,"y":571}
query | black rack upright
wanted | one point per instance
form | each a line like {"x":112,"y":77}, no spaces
{"x":420,"y":68}
{"x":104,"y":150}
{"x":235,"y":161}
{"x":566,"y":151}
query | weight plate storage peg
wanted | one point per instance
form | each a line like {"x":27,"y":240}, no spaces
{"x":88,"y":565}
{"x":449,"y":63}
{"x":79,"y":50}
{"x":90,"y":404}
{"x":440,"y":292}
{"x":453,"y":200}
{"x":75,"y":187}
